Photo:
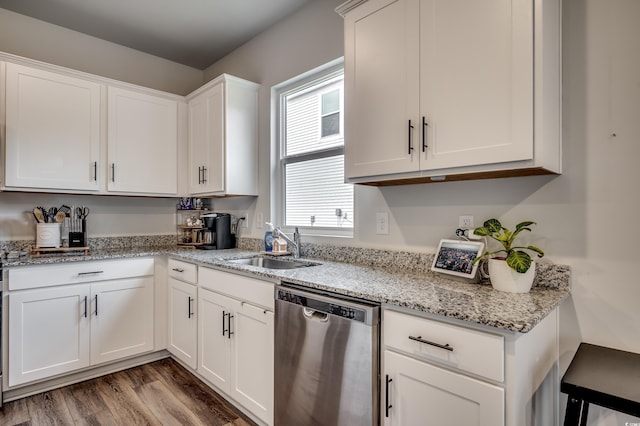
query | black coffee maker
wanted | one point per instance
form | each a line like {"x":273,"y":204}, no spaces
{"x":218,"y":225}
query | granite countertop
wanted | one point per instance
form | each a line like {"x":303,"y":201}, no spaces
{"x":425,"y":291}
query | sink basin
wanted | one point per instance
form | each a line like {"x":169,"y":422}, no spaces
{"x":269,"y":263}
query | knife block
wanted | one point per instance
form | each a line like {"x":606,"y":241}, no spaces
{"x":79,"y":239}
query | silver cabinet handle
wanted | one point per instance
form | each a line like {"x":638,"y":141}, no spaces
{"x":113,"y":172}
{"x":446,"y":347}
{"x":204,"y":174}
{"x":178,"y":270}
{"x":90,"y":273}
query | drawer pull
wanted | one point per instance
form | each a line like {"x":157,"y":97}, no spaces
{"x":446,"y":347}
{"x":178,"y":269}
{"x":90,"y":273}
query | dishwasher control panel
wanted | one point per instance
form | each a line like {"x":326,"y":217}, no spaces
{"x":329,"y":305}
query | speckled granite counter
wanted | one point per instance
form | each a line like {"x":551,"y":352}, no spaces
{"x":427,"y":292}
{"x":417,"y":289}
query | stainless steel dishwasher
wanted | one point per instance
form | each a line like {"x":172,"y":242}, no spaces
{"x":326,"y":359}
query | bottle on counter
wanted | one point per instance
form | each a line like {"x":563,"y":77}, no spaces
{"x":268,"y":238}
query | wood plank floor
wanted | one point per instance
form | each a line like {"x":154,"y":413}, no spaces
{"x":159,"y":393}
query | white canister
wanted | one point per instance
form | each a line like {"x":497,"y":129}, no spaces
{"x":48,"y":235}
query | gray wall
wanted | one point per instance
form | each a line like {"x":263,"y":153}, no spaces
{"x":35,"y":39}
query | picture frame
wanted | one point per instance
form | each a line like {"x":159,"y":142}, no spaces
{"x":455,"y":259}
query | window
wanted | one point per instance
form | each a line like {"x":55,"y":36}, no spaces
{"x":331,"y":113}
{"x":310,"y":154}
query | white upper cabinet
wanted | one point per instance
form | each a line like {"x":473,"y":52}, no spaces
{"x":52,"y":130}
{"x":223,"y":138}
{"x":456,"y":89}
{"x":381,"y":87}
{"x":142,"y":143}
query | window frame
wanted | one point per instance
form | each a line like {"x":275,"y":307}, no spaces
{"x":300,"y":83}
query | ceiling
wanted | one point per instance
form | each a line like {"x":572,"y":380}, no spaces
{"x":192,"y":32}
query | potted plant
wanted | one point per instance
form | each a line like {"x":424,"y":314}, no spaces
{"x":515,"y":270}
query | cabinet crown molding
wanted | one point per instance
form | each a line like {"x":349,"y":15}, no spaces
{"x":344,"y":8}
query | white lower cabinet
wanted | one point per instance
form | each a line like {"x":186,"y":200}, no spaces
{"x":436,"y":371}
{"x":236,"y":342}
{"x":58,"y":329}
{"x":183,"y":323}
{"x":420,"y":393}
{"x":122,"y":319}
{"x":215,"y":340}
{"x":49,"y":332}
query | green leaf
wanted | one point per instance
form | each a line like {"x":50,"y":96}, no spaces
{"x":524,"y":225}
{"x":482,"y":232}
{"x":537,"y":250}
{"x":493,"y":225}
{"x":519,"y":261}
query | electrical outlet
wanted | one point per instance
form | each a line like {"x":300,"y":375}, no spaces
{"x":465,"y":222}
{"x":382,"y":223}
{"x":245,"y":223}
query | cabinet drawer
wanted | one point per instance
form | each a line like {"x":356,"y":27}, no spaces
{"x":187,"y":272}
{"x":246,"y":289}
{"x":468,"y":350}
{"x":78,"y":272}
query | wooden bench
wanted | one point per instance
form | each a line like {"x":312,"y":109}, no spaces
{"x":602,"y":376}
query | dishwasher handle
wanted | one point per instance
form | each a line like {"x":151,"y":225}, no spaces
{"x":311,"y":314}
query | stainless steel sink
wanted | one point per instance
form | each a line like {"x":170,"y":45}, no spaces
{"x":270,"y":263}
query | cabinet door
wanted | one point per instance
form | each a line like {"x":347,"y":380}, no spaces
{"x":48,"y":332}
{"x":52,"y":130}
{"x":214,"y":341}
{"x":183,"y":325}
{"x":476,"y":81}
{"x":206,"y":141}
{"x":252,"y":364}
{"x":382,"y":88}
{"x":420,"y":393}
{"x":122,"y":318}
{"x":142,"y":143}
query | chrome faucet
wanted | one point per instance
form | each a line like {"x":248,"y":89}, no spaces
{"x":294,"y":243}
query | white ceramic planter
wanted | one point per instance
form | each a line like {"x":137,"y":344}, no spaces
{"x":504,"y":278}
